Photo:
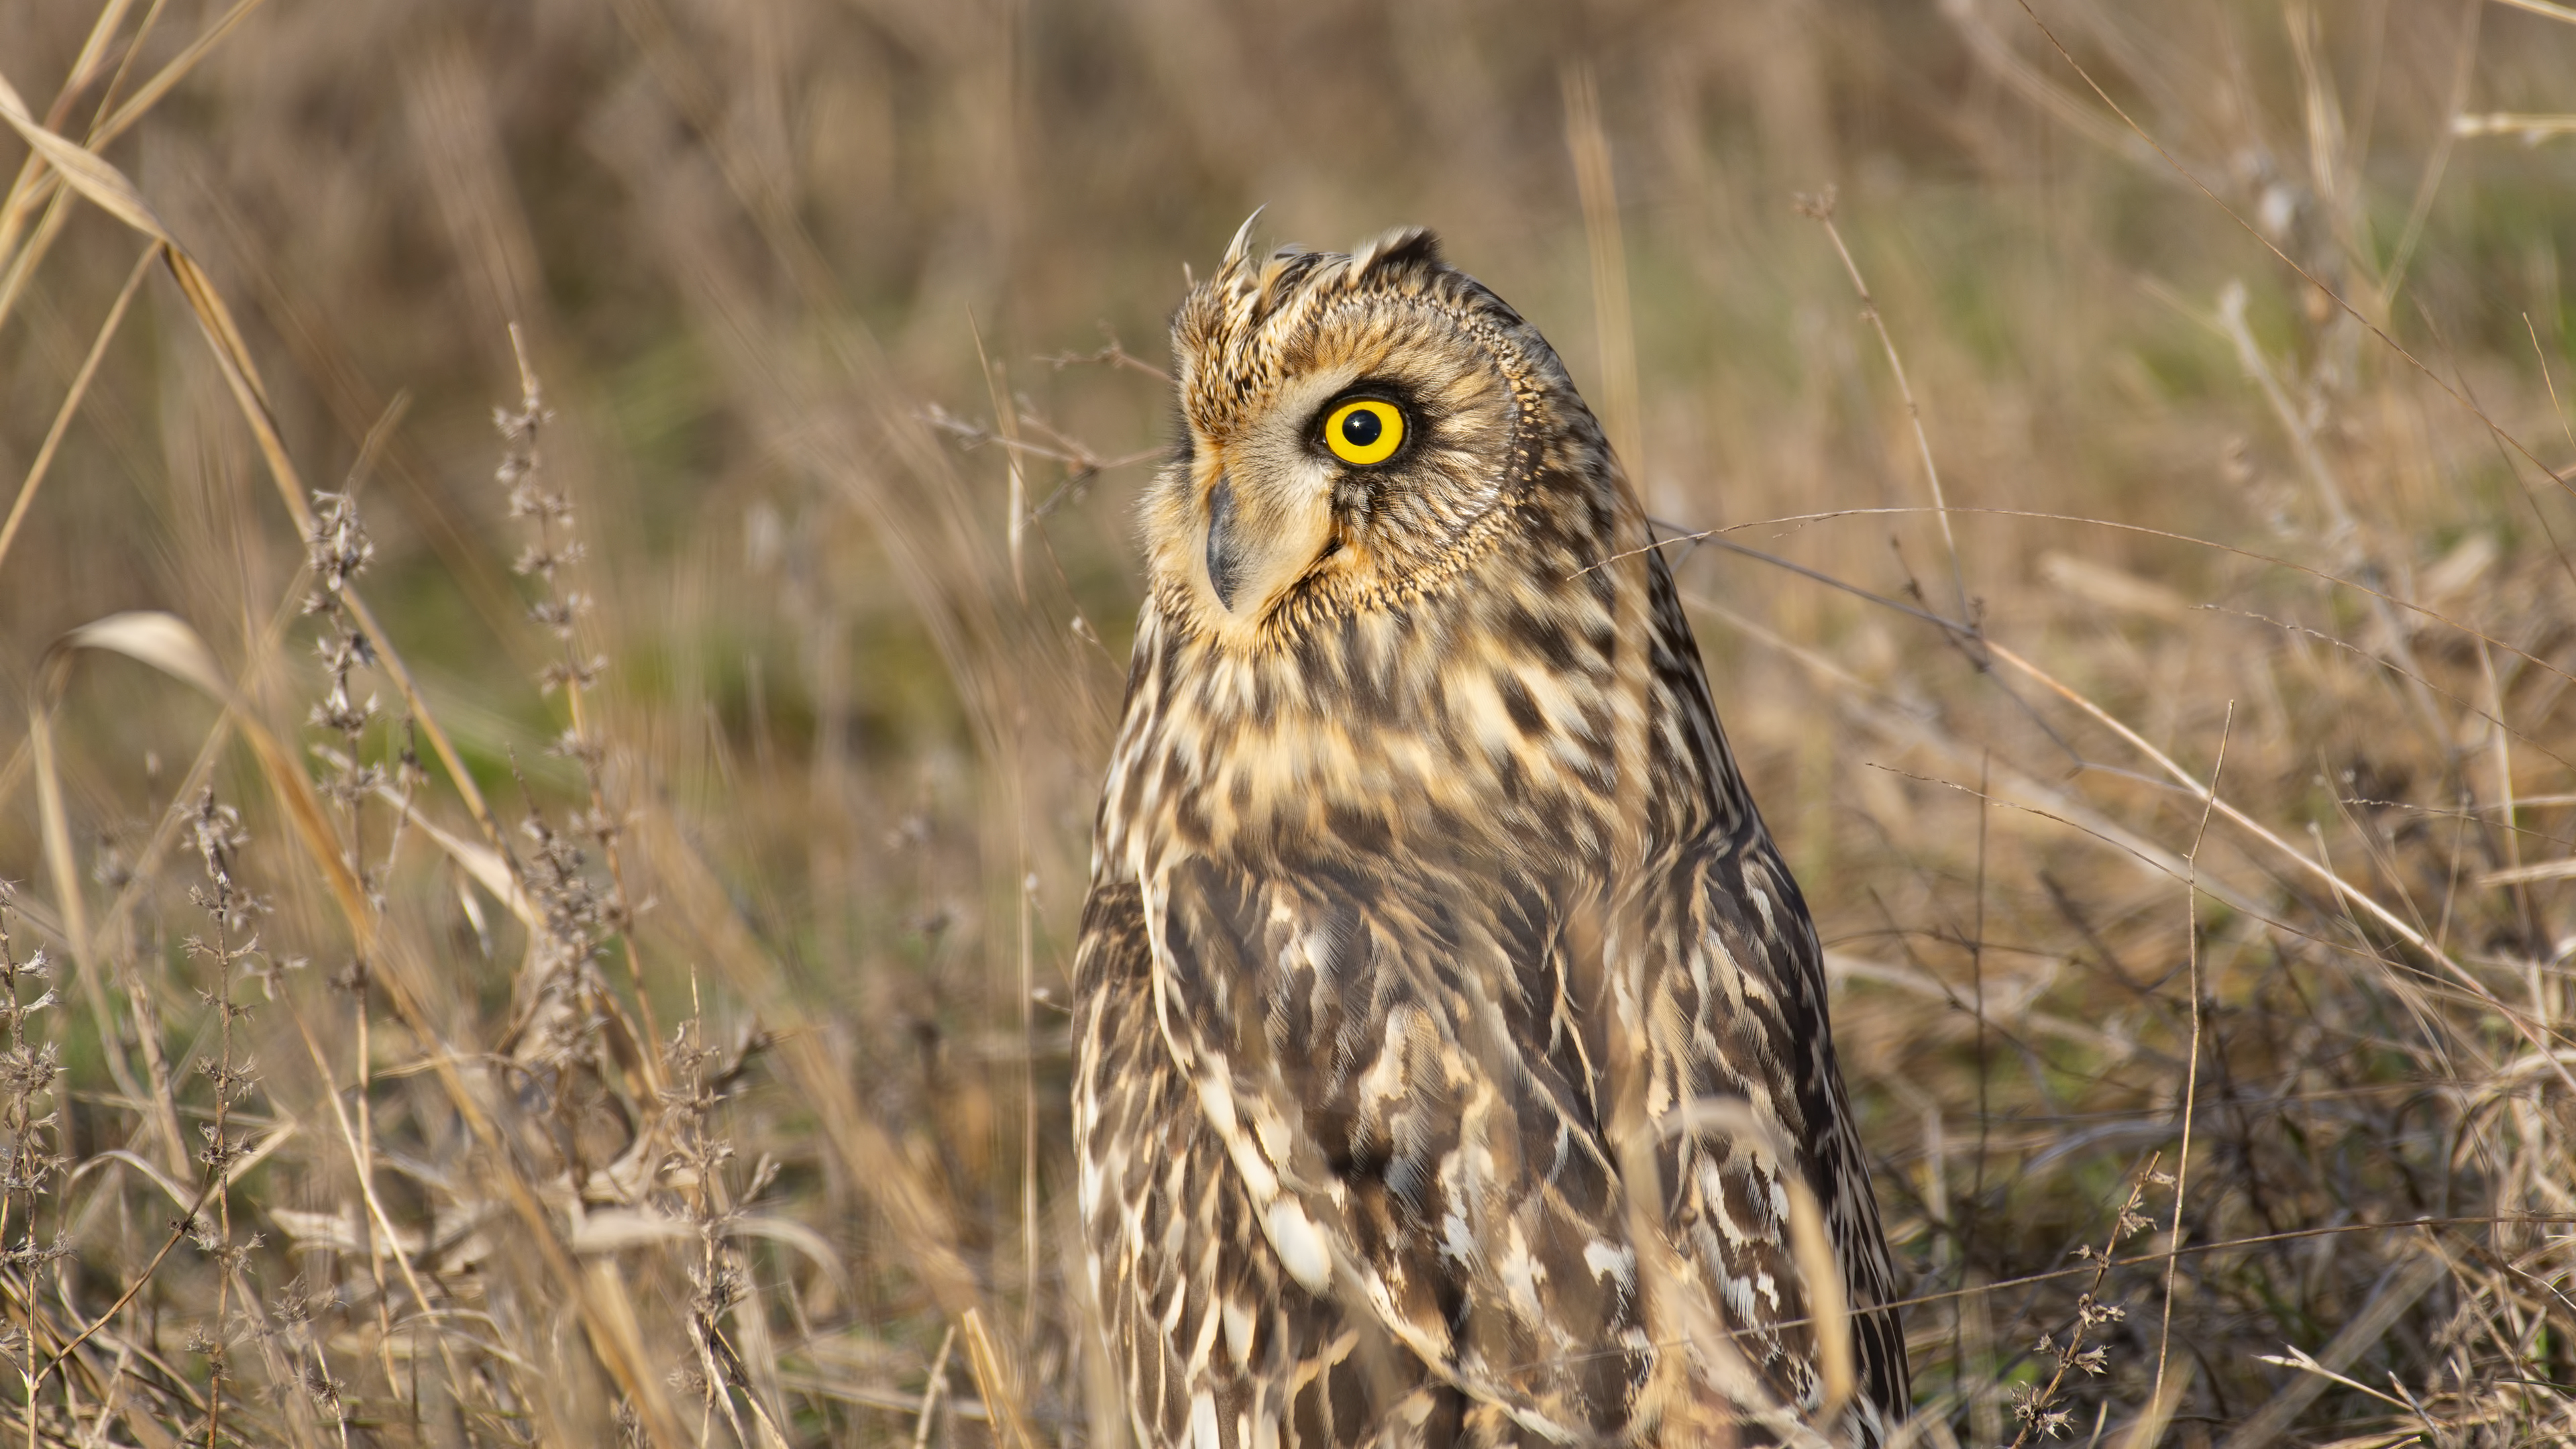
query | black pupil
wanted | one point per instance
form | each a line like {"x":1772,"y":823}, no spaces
{"x":1361,"y":428}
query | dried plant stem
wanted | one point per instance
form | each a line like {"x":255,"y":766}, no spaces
{"x":178,"y":1235}
{"x":2302,"y":434}
{"x":22,"y":268}
{"x":39,"y":182}
{"x":934,"y":1389}
{"x":229,"y":910}
{"x":362,"y":1162}
{"x":1028,"y":994}
{"x":377,"y":1227}
{"x":27,"y":1164}
{"x":997,"y":385}
{"x":615,"y":860}
{"x":1821,"y":209}
{"x":561,"y":611}
{"x":2191,"y":1066}
{"x":1613,"y":318}
{"x":108,"y":94}
{"x":993,"y":1382}
{"x":612,"y":1334}
{"x":72,"y":399}
{"x":2037,"y":1409}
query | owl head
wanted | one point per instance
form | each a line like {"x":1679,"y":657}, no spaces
{"x":1355,"y":432}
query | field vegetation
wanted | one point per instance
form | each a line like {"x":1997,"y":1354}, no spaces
{"x":557,"y":932}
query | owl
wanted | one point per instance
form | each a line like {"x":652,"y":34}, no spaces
{"x":1453,"y":1062}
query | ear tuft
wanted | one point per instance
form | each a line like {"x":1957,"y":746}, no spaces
{"x":1406,"y":248}
{"x":1239,"y":251}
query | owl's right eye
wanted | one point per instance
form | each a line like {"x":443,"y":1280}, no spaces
{"x":1364,"y":430}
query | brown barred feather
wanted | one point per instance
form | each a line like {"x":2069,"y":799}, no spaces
{"x":1453,"y":1047}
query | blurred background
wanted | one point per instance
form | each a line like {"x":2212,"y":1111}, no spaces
{"x":791,"y":603}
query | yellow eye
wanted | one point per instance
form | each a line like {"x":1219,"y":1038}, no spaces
{"x":1364,"y":431}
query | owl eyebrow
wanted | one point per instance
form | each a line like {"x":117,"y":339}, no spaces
{"x":1367,"y":390}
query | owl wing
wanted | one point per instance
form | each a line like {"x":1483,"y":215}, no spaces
{"x":1190,"y":1297}
{"x":1735,"y":1015}
{"x":1352,"y":1112}
{"x":1717,"y":968}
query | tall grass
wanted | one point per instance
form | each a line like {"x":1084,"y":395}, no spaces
{"x":558,"y":933}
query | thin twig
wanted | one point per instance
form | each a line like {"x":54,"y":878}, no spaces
{"x":1820,"y":208}
{"x":934,"y":1390}
{"x":1961,"y":626}
{"x":2191,"y":1067}
{"x":72,"y":399}
{"x":1114,"y":354}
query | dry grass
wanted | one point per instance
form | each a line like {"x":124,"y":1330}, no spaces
{"x":583,"y":955}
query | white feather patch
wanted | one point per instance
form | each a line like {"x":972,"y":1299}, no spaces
{"x":1300,"y":1245}
{"x":1612,"y":1261}
{"x":1216,"y":1098}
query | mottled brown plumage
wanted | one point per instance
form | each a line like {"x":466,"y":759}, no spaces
{"x":1454,"y":1064}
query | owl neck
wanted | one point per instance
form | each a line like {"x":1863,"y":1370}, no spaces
{"x":1490,"y":718}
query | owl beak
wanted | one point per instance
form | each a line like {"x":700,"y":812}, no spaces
{"x":1224,"y":545}
{"x":1264,"y":530}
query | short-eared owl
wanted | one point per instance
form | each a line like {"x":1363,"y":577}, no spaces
{"x":1454,"y":1065}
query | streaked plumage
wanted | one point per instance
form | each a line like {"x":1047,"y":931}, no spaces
{"x":1429,"y":920}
